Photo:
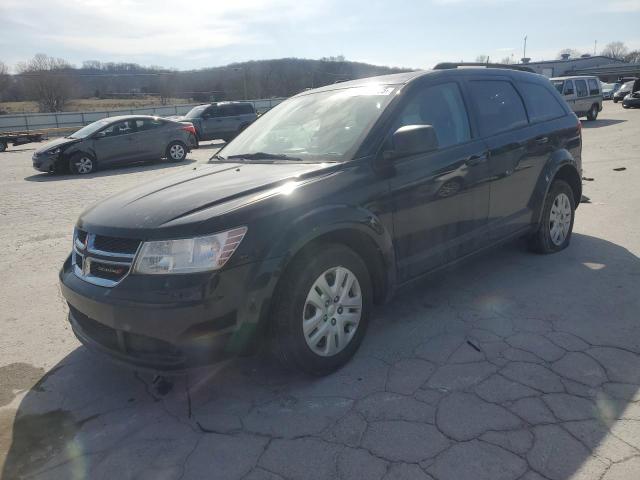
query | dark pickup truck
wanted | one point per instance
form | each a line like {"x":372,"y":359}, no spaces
{"x":221,"y":120}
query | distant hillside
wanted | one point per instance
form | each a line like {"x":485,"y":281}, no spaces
{"x":254,"y":79}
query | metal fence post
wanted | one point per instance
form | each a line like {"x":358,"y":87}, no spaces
{"x":26,"y":122}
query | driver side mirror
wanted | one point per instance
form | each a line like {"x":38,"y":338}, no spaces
{"x":100,"y":134}
{"x":411,"y":140}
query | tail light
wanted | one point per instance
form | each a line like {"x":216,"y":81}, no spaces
{"x":189,"y":128}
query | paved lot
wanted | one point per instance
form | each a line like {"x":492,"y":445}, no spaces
{"x":513,"y":366}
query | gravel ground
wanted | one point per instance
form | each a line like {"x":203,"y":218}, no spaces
{"x":513,"y":366}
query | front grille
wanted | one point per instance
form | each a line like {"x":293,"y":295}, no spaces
{"x":102,"y":260}
{"x":116,"y":245}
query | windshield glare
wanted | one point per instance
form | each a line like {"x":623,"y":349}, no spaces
{"x":90,"y":129}
{"x":316,"y":125}
{"x":195,"y":112}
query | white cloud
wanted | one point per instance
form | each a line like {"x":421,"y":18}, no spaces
{"x":145,"y":27}
{"x":621,"y":6}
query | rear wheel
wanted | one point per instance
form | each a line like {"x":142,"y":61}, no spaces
{"x":82,"y":164}
{"x":322,"y":309}
{"x":176,"y":152}
{"x":3,"y":147}
{"x":554,"y":231}
{"x":592,"y":114}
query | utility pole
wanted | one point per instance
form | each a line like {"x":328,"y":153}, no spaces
{"x":524,"y":50}
{"x":595,"y":48}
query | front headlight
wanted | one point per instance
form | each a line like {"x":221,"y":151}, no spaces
{"x":53,"y":151}
{"x":189,"y":255}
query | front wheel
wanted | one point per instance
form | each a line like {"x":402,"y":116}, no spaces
{"x":554,"y":231}
{"x":82,"y":164}
{"x":3,"y":147}
{"x":592,"y":114}
{"x":322,"y":309}
{"x":176,"y":151}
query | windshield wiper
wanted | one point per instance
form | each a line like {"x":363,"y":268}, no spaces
{"x":264,"y":156}
{"x":220,"y":158}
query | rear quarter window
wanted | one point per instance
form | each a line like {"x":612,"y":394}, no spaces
{"x":540,"y":102}
{"x":498,"y":106}
{"x":594,"y":86}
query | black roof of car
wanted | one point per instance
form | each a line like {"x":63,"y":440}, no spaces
{"x":442,"y":69}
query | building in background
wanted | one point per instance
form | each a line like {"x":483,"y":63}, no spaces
{"x":606,"y":68}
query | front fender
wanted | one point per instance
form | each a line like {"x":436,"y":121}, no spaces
{"x":328,"y":219}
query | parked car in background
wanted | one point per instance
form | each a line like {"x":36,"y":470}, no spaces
{"x":116,"y":141}
{"x":320,"y":209}
{"x":609,"y":90}
{"x":221,"y":120}
{"x":632,"y":100}
{"x":583,"y":94}
{"x":623,"y":91}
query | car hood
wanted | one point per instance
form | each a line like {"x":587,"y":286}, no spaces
{"x":193,"y":197}
{"x":58,"y":142}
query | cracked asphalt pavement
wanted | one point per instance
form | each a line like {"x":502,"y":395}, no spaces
{"x":513,"y":366}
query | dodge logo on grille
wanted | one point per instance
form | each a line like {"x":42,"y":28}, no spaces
{"x":111,"y":269}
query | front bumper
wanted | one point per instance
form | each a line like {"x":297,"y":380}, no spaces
{"x":170,"y":323}
{"x":44,"y":162}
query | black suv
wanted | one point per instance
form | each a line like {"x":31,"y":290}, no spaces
{"x":321,"y":208}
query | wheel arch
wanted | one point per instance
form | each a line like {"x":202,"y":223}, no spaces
{"x":357,"y":228}
{"x":561,"y":167}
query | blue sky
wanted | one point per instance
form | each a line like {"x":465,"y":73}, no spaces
{"x":194,"y":34}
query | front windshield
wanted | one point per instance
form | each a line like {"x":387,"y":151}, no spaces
{"x":607,"y":87}
{"x":90,"y":129}
{"x":313,"y":126}
{"x":195,"y":111}
{"x":558,"y":84}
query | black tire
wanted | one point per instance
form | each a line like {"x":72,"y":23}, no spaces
{"x":592,"y":114}
{"x":287,"y":337}
{"x":615,"y":100}
{"x":541,"y":241}
{"x":3,"y":147}
{"x":82,"y":164}
{"x":176,"y":152}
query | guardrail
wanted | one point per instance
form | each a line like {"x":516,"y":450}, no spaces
{"x":45,"y":121}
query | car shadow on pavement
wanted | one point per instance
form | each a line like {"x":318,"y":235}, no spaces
{"x":110,"y":171}
{"x":511,"y":366}
{"x":603,"y":122}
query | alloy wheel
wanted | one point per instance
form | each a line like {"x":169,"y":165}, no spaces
{"x":176,"y":152}
{"x":332,"y":311}
{"x":84,"y":165}
{"x":560,"y":219}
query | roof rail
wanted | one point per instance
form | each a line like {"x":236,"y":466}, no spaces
{"x":449,"y":65}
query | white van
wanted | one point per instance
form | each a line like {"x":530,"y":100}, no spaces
{"x":582,"y":93}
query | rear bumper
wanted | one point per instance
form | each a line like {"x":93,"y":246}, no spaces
{"x":169,"y":324}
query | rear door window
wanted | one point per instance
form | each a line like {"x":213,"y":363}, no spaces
{"x":581,"y":88}
{"x":228,"y":110}
{"x":498,"y":106}
{"x":594,"y":86}
{"x":541,"y":103}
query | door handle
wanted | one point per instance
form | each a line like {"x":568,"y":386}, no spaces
{"x":477,"y":159}
{"x":542,"y":140}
